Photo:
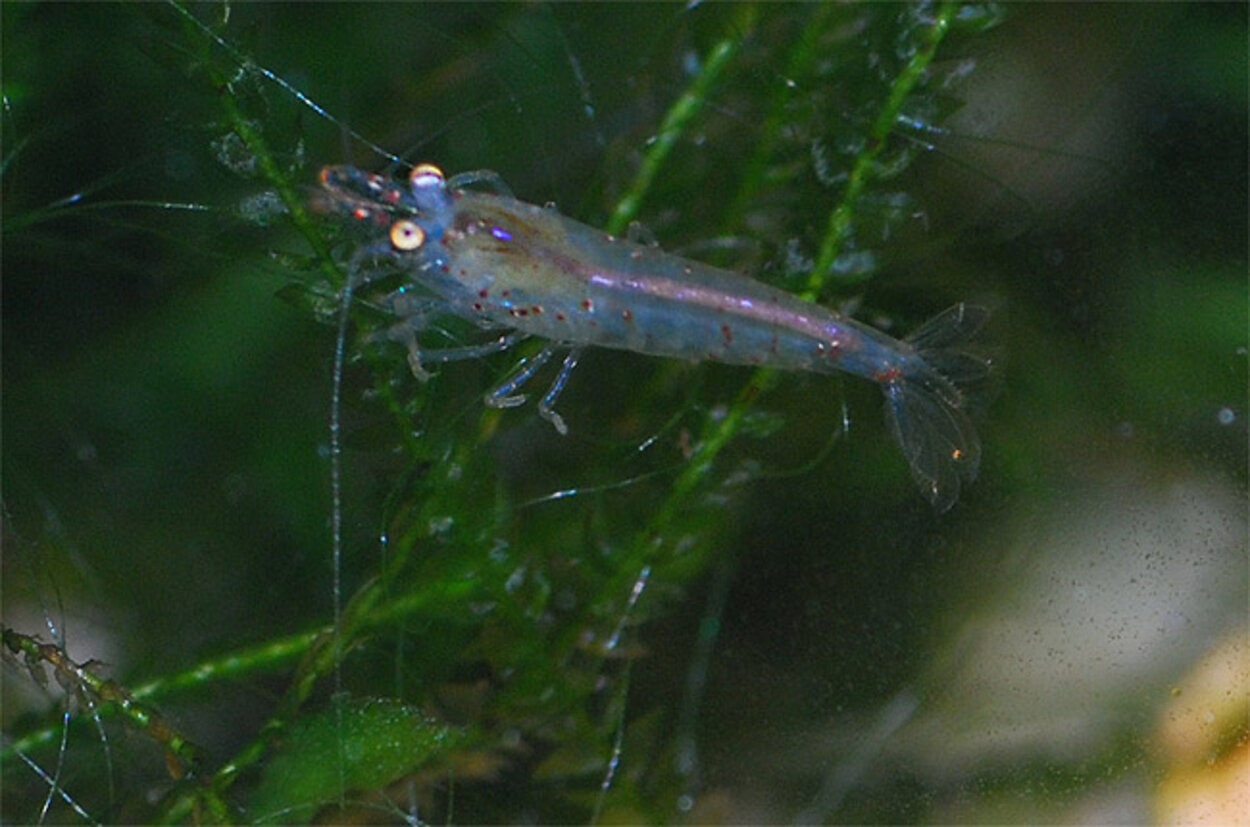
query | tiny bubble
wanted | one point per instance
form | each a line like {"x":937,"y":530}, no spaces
{"x":1124,"y":430}
{"x":86,"y":452}
{"x":440,"y":525}
{"x":685,"y":803}
{"x":1226,"y":416}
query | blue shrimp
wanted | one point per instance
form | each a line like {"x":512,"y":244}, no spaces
{"x":524,"y":270}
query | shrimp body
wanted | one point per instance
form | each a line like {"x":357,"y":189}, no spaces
{"x":509,"y":265}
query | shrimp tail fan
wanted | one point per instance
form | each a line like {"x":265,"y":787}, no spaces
{"x":926,"y":404}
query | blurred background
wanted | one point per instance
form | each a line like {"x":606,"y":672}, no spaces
{"x":1067,"y":644}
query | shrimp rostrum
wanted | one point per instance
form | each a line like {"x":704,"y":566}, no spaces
{"x":524,"y":270}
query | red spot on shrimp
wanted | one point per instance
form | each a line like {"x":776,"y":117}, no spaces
{"x":559,"y":317}
{"x":627,"y":315}
{"x":478,"y":306}
{"x":360,"y":213}
{"x":888,"y":375}
{"x":829,"y":350}
{"x":588,"y":305}
{"x":536,"y":310}
{"x":727,"y":332}
{"x":483,"y":293}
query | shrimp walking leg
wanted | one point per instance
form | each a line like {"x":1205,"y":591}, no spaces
{"x":546,"y":407}
{"x":505,"y":395}
{"x":438,"y":356}
{"x":417,"y":313}
{"x":418,"y":358}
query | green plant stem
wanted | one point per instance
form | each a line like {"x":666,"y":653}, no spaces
{"x":256,"y":144}
{"x":862,"y":172}
{"x":801,"y":58}
{"x":678,"y":119}
{"x":107,"y":697}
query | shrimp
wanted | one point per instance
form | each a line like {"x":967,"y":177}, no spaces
{"x":527,"y":271}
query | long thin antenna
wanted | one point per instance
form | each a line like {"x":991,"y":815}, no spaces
{"x":336,"y":519}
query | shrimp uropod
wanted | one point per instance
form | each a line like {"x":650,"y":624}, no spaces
{"x":524,"y":270}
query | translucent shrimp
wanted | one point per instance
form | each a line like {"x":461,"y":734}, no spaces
{"x":525,"y":270}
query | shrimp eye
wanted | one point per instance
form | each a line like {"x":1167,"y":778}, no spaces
{"x":406,"y":235}
{"x":425,"y":175}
